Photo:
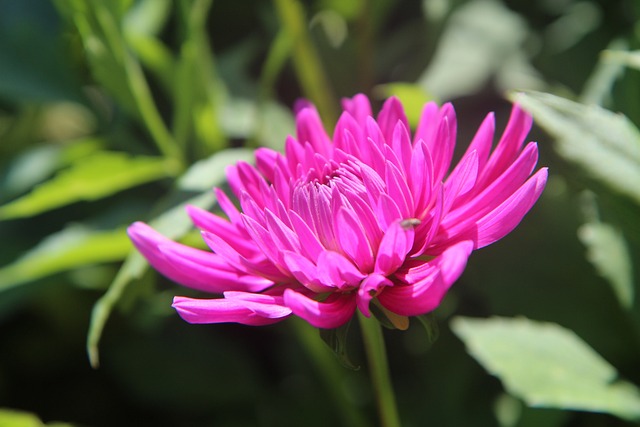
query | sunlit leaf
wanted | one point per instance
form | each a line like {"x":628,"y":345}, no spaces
{"x":93,"y":177}
{"x":40,"y":162}
{"x":603,"y":143}
{"x":16,"y":418}
{"x":609,"y":254}
{"x":72,"y":247}
{"x":547,"y":365}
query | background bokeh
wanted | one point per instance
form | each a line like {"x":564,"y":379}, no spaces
{"x":105,"y":107}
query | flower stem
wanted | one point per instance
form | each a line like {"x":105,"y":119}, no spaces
{"x":379,"y":370}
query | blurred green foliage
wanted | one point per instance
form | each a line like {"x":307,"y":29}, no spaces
{"x":125,"y":110}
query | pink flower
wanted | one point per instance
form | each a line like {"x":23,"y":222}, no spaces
{"x":370,"y":216}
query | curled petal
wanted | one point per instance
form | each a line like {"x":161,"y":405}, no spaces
{"x":247,"y":309}
{"x":334,"y":312}
{"x":369,"y":288}
{"x":427,"y":292}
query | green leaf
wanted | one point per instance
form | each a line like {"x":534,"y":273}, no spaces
{"x":547,"y":365}
{"x":72,"y":247}
{"x":16,"y":418}
{"x":93,"y":177}
{"x":209,"y":172}
{"x":605,"y":144}
{"x":336,"y":339}
{"x":609,"y":254}
{"x":174,"y":223}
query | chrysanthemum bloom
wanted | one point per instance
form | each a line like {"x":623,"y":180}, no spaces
{"x":370,"y":216}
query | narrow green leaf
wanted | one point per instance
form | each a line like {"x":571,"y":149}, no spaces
{"x":72,"y":247}
{"x":174,"y":224}
{"x":609,"y":254}
{"x":93,"y":177}
{"x":605,"y":144}
{"x":547,"y":365}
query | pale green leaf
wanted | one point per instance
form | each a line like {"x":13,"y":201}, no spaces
{"x":72,"y":247}
{"x":174,"y":224}
{"x":93,"y":177}
{"x":605,"y":144}
{"x":547,"y":365}
{"x":630,"y":59}
{"x":609,"y":254}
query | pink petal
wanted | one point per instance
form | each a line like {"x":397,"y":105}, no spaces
{"x":502,"y":220}
{"x":335,"y":311}
{"x":507,"y":149}
{"x":369,"y":288}
{"x":395,"y":245}
{"x":353,"y":240}
{"x":305,"y":272}
{"x":428,"y":291}
{"x":266,"y":160}
{"x":358,"y":106}
{"x":309,"y":129}
{"x":390,"y":114}
{"x":261,"y":310}
{"x":191,"y":267}
{"x":336,"y":271}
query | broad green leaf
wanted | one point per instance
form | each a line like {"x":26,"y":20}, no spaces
{"x":16,"y":418}
{"x":72,"y":247}
{"x":547,"y":365}
{"x":481,"y":36}
{"x":174,"y":223}
{"x":609,"y":254}
{"x":412,"y":96}
{"x":605,"y":144}
{"x":93,"y":177}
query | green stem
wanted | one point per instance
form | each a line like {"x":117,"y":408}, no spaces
{"x":306,"y":61}
{"x":331,"y":372}
{"x":379,"y":371}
